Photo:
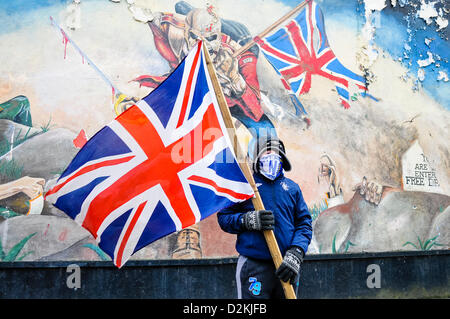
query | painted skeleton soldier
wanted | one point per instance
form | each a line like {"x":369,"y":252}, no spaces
{"x":176,"y":33}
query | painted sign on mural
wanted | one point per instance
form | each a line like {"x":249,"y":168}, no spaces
{"x":357,"y":90}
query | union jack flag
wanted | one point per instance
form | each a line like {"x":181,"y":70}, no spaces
{"x":162,"y":165}
{"x":300,"y":49}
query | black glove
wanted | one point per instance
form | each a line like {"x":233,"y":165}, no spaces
{"x":258,"y":220}
{"x":290,"y":266}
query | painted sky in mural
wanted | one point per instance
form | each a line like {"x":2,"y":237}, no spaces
{"x":399,"y":31}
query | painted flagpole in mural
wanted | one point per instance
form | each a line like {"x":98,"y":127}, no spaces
{"x":161,"y":166}
{"x":117,"y":96}
{"x":299,"y":49}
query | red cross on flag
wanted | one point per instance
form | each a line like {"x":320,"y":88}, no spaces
{"x":162,"y":165}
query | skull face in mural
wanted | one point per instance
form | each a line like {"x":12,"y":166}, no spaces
{"x":202,"y":24}
{"x":205,"y":25}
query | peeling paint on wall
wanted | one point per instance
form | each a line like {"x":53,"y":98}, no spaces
{"x":442,"y":76}
{"x":73,"y":15}
{"x":427,"y":11}
{"x":372,"y":15}
{"x":425,"y":21}
{"x":426,"y":62}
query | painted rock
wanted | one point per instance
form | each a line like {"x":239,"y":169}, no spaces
{"x":402,"y":221}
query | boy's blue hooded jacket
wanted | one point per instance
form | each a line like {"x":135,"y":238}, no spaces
{"x":293,"y":226}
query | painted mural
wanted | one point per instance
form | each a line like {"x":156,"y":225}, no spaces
{"x":358,"y":91}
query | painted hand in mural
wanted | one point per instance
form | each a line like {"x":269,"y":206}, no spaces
{"x":30,"y":186}
{"x":371,"y":191}
{"x":228,"y":73}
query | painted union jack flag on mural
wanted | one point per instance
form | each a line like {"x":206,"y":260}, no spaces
{"x":161,"y":166}
{"x":300,"y":49}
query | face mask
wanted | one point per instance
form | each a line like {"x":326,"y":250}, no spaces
{"x":270,"y":166}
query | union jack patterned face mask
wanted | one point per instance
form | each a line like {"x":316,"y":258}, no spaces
{"x":270,"y":165}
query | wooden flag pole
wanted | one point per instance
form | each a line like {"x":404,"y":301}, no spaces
{"x":271,"y":28}
{"x":257,"y":202}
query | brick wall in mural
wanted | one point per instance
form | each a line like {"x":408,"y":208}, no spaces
{"x":358,"y":91}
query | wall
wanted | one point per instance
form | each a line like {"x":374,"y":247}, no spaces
{"x":398,"y":276}
{"x":368,"y":141}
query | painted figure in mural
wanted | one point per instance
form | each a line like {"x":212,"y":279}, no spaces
{"x":327,"y":171}
{"x":286,"y":214}
{"x":176,"y":33}
{"x":370,"y":191}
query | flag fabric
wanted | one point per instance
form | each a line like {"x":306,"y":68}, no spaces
{"x":300,"y":49}
{"x":162,"y":165}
